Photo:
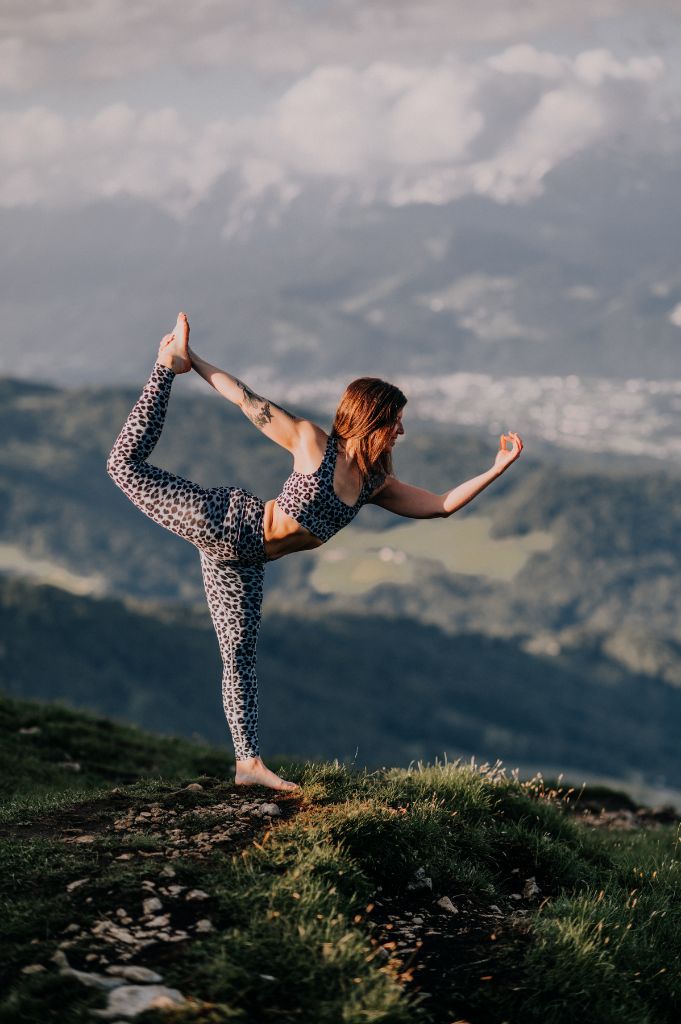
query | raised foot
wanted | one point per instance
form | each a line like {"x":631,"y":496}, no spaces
{"x":174,"y":348}
{"x":254,"y":773}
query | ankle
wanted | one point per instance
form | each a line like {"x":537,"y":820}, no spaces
{"x":249,"y":763}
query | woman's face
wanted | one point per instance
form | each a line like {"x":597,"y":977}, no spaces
{"x":397,"y":429}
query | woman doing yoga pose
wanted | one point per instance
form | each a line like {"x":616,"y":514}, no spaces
{"x":236,"y":532}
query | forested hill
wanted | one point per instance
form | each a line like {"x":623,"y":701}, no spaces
{"x":372,"y":690}
{"x":541,"y":622}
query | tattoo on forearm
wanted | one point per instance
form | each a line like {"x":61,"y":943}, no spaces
{"x":258,"y":409}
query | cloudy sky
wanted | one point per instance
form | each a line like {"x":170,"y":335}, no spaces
{"x":337,"y":187}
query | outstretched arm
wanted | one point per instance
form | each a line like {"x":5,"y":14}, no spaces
{"x":417,"y":503}
{"x":276,"y":423}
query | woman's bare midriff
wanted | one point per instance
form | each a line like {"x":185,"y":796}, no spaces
{"x":283,"y":535}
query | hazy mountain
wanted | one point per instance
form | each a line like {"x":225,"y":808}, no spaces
{"x":363,"y":687}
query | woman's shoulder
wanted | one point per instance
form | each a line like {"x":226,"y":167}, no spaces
{"x":311,"y":447}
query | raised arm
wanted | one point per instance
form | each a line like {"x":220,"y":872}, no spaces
{"x":417,"y":503}
{"x":276,"y":423}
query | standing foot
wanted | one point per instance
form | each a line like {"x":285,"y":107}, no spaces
{"x":252,"y":772}
{"x":174,"y":348}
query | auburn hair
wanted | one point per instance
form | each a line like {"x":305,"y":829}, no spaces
{"x":366,"y":415}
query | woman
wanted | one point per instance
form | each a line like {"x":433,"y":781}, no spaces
{"x":236,"y":532}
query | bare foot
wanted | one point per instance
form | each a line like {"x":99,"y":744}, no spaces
{"x":252,"y":772}
{"x":174,"y":348}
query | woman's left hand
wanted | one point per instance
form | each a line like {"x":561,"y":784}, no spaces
{"x":506,"y":455}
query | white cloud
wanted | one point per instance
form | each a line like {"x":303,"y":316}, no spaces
{"x":342,"y":123}
{"x":108,"y":40}
{"x":595,"y":66}
{"x":562,"y":124}
{"x":485,"y":306}
{"x":49,"y":158}
{"x":524,"y":59}
{"x":675,"y":316}
{"x":400,"y":132}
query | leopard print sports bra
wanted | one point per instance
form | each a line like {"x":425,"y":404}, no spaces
{"x":310,"y":499}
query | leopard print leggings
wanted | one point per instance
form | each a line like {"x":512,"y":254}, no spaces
{"x":226,"y":525}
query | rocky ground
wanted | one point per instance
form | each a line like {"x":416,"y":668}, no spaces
{"x":120,"y":939}
{"x":123,"y":949}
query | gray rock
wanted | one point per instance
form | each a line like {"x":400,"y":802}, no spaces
{"x":152,"y":905}
{"x":204,"y":926}
{"x":32,"y":969}
{"x":91,"y":980}
{"x":76,"y":885}
{"x":420,"y":881}
{"x":116,"y":934}
{"x":274,"y":810}
{"x":130,"y":1000}
{"x":194,"y":787}
{"x":168,"y":872}
{"x":446,"y":904}
{"x":531,"y":890}
{"x":141,"y":975}
{"x":162,"y":921}
{"x":197,"y":894}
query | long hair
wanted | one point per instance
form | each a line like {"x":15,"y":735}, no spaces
{"x":366,"y":414}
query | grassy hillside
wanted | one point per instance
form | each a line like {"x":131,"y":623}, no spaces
{"x":371,"y":689}
{"x":431,"y":895}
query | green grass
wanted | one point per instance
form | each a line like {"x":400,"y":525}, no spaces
{"x":293,"y":939}
{"x":35,"y":765}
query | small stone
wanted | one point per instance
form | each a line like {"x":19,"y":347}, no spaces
{"x":116,"y":791}
{"x":152,"y":905}
{"x":131,"y":1000}
{"x":71,"y":929}
{"x":120,"y":935}
{"x":30,"y":730}
{"x":70,"y":766}
{"x":419,"y":920}
{"x":273,"y":810}
{"x":446,"y":904}
{"x":140,"y":975}
{"x":175,"y":890}
{"x":76,"y":885}
{"x":90,"y":957}
{"x":32,"y":969}
{"x":85,"y":839}
{"x":531,"y":890}
{"x":121,"y":912}
{"x":168,"y":872}
{"x":194,"y":787}
{"x":516,"y":896}
{"x":419,"y":880}
{"x":158,"y":922}
{"x":203,"y":926}
{"x":124,"y":856}
{"x":197,"y":894}
{"x":495,"y":909}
